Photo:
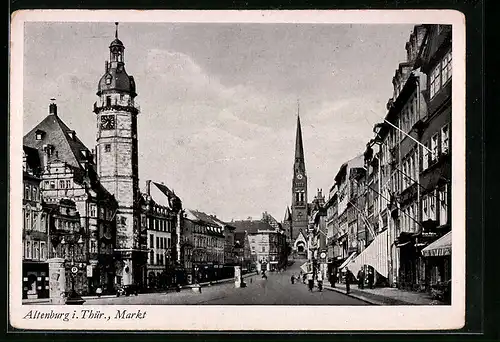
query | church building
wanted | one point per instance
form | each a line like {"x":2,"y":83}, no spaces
{"x":299,"y":217}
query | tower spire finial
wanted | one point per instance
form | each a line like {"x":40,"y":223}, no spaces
{"x":298,"y":107}
{"x":116,"y":30}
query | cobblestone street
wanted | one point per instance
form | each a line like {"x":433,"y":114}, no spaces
{"x":276,"y":290}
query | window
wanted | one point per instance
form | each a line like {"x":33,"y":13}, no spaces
{"x":434,"y":147}
{"x":435,"y":80}
{"x":93,"y":246}
{"x":68,"y":183}
{"x":441,"y":74}
{"x":28,"y":250}
{"x":151,"y":258}
{"x":263,"y":249}
{"x":443,"y":205}
{"x":107,"y":148}
{"x":93,"y":210}
{"x":445,"y":138}
{"x":34,"y":193}
{"x":43,"y":251}
{"x":108,"y":98}
{"x":446,"y":67}
{"x":425,"y":156}
{"x":52,"y":184}
{"x":432,"y":206}
{"x":161,"y":243}
{"x":151,"y":241}
{"x":157,"y":242}
{"x":36,"y":250}
{"x":27,"y":220}
{"x":62,"y":184}
{"x":38,"y":135}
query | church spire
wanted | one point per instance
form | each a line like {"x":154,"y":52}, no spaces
{"x":299,"y":148}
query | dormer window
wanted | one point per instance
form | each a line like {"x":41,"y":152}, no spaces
{"x":39,"y":134}
{"x":108,"y":79}
{"x":72,"y":135}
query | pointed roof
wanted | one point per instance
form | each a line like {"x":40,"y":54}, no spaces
{"x":299,"y":148}
{"x":288,"y":215}
{"x":67,"y":145}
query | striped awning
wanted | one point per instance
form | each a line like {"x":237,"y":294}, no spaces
{"x":440,"y":247}
{"x":347,"y":261}
{"x":374,"y":255}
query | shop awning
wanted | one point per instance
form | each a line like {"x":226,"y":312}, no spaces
{"x":440,"y":247}
{"x":347,"y":261}
{"x":374,"y":255}
{"x":305,"y":267}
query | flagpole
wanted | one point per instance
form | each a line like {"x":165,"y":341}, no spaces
{"x":409,"y":136}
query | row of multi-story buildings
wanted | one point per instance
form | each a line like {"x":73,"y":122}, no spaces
{"x":389,"y":208}
{"x":86,"y":207}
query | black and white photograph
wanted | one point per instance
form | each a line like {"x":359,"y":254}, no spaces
{"x":236,"y":164}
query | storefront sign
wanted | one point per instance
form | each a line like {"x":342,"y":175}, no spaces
{"x":90,"y":270}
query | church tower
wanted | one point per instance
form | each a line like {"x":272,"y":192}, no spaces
{"x":299,"y":188}
{"x":117,"y":164}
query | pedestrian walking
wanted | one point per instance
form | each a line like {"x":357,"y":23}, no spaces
{"x":292,"y":279}
{"x":320,"y":281}
{"x":98,"y":291}
{"x":310,"y":281}
{"x":347,"y":281}
{"x":361,"y":279}
{"x":371,"y":276}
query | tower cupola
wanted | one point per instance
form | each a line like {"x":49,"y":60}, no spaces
{"x":115,"y":78}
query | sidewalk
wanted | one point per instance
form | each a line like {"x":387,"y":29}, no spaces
{"x":215,"y":282}
{"x":386,"y":295}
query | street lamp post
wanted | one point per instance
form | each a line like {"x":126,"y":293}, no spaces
{"x":74,"y":298}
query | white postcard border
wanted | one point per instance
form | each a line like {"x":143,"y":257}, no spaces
{"x":273,"y":318}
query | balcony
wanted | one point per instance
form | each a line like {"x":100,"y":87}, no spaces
{"x":115,"y":104}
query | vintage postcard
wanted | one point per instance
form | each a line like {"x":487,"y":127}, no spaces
{"x":237,"y":170}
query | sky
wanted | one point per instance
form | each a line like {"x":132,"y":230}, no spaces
{"x":219,"y":101}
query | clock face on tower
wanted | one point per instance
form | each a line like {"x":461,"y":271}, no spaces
{"x":107,"y":122}
{"x":299,"y":176}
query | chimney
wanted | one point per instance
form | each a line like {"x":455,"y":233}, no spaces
{"x":52,"y":107}
{"x":148,"y":187}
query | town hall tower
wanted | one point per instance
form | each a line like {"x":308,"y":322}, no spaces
{"x":117,"y":157}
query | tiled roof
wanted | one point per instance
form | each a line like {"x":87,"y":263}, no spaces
{"x":251,"y":226}
{"x":68,"y":149}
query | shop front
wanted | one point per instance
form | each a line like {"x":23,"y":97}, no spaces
{"x":438,"y":262}
{"x":35,"y":280}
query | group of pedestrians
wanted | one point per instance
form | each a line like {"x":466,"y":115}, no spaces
{"x":362,"y":277}
{"x":308,"y":278}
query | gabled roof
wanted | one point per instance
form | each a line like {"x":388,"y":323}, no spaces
{"x":57,"y":134}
